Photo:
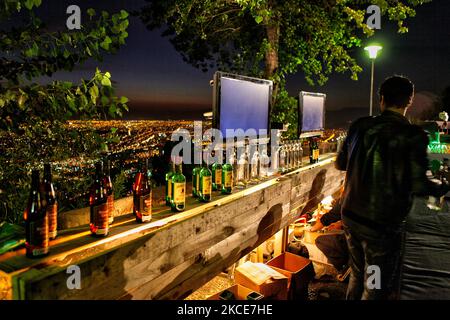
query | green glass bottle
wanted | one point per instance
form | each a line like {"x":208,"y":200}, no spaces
{"x":196,"y":174}
{"x":169,"y":183}
{"x":205,"y":186}
{"x":227,"y":177}
{"x":178,"y":199}
{"x":216,"y":169}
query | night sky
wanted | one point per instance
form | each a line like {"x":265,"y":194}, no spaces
{"x":160,"y":85}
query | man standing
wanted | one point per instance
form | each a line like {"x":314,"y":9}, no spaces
{"x":385,"y":158}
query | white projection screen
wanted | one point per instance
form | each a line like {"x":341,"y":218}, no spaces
{"x":241,"y":103}
{"x":311,"y":113}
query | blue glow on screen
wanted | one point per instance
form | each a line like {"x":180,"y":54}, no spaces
{"x":313,"y":109}
{"x":243,"y":105}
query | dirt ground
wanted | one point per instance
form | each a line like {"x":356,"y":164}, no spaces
{"x":323,"y":289}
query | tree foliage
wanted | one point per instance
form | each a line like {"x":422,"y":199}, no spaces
{"x":34,"y":111}
{"x":272,"y":38}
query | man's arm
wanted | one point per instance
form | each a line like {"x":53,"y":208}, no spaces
{"x":334,"y":215}
{"x":421,"y":185}
{"x":342,"y":157}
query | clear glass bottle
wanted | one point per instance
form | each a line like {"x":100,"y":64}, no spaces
{"x":300,"y":154}
{"x":243,"y":173}
{"x":255,"y":166}
{"x":282,"y":159}
{"x":264,"y":163}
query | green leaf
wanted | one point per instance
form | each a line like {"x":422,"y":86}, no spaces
{"x":112,"y":110}
{"x":258,"y":19}
{"x":93,"y":91}
{"x":123,"y":100}
{"x":29,"y":4}
{"x":106,"y":82}
{"x":123,"y":14}
{"x":91,"y":12}
{"x":107,"y":74}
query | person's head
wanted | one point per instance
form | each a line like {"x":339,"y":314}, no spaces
{"x":396,"y":93}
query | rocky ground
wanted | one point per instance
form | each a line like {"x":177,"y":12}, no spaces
{"x":323,"y":289}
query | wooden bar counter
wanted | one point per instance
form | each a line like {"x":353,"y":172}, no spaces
{"x":174,"y":254}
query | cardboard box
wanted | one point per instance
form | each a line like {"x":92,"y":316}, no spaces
{"x":299,"y":272}
{"x":239,"y":292}
{"x":263,"y":279}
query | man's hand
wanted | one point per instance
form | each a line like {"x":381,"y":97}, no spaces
{"x":335,"y":226}
{"x":317,"y":226}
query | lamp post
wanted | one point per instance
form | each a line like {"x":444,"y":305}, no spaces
{"x":373,"y":53}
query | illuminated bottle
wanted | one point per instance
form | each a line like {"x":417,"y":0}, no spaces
{"x":282,"y":159}
{"x":300,"y":154}
{"x":36,"y":220}
{"x":178,"y":189}
{"x":98,"y":201}
{"x":52,"y":203}
{"x":196,"y":174}
{"x":109,"y":191}
{"x":227,"y":176}
{"x":233,"y":162}
{"x":243,"y":172}
{"x":142,"y":196}
{"x":205,"y":186}
{"x":255,"y":167}
{"x":314,"y":150}
{"x":216,"y":169}
{"x":169,"y":183}
{"x":264,"y":163}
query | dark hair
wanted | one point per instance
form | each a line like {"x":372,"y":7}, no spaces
{"x":396,"y":91}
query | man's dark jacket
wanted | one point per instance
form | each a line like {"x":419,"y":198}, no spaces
{"x":386,"y":162}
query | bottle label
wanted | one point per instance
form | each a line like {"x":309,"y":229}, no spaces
{"x":110,"y":203}
{"x":99,"y":219}
{"x":218,"y":177}
{"x":206,"y":185}
{"x":52,"y":213}
{"x":316,"y":154}
{"x":179,"y":192}
{"x":145,"y":207}
{"x":37,"y":240}
{"x":228,"y":179}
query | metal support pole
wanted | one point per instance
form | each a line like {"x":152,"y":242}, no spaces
{"x":371,"y":88}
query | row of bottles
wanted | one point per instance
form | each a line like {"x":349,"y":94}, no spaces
{"x":290,"y":156}
{"x":251,"y":166}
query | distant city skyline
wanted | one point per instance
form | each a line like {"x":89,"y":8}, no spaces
{"x":152,"y":74}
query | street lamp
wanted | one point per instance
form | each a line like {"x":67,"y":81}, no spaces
{"x":372,"y":50}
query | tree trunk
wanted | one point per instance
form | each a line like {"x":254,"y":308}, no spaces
{"x":271,"y":57}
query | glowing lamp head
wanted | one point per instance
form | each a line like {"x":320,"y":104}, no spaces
{"x":373,"y":51}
